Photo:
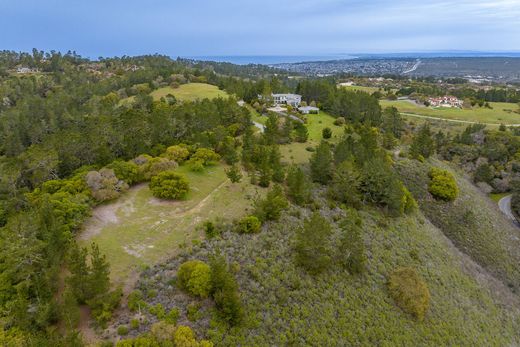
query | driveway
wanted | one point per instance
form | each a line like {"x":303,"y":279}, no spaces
{"x":505,"y":206}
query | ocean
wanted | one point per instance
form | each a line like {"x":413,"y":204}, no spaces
{"x":271,"y":59}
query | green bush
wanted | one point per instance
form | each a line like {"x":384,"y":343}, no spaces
{"x":409,"y":291}
{"x":122,"y":330}
{"x":177,"y":153}
{"x":206,"y":155}
{"x":135,"y":301}
{"x":194,"y":276}
{"x":339,"y":121}
{"x":443,"y":185}
{"x":169,"y":185}
{"x":271,"y":207}
{"x":326,"y":133}
{"x":173,"y":316}
{"x":134,"y":324}
{"x":127,"y":171}
{"x":249,"y":225}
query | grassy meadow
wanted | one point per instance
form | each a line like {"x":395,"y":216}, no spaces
{"x":138,"y":230}
{"x":190,"y":92}
{"x":501,"y":112}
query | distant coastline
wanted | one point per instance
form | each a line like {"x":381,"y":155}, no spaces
{"x":291,"y":59}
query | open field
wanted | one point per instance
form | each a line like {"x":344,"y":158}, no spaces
{"x":501,"y":112}
{"x":369,"y":90}
{"x":296,"y":152}
{"x":190,"y":92}
{"x":139,"y":230}
{"x":185,"y":92}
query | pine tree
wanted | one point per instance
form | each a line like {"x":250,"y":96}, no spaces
{"x":393,"y":123}
{"x":298,"y":187}
{"x":275,"y":161}
{"x":271,"y":131}
{"x":99,"y":278}
{"x":352,"y":248}
{"x":233,"y":173}
{"x":422,"y":145}
{"x":79,"y":273}
{"x":321,"y":163}
{"x":301,"y":132}
{"x":345,"y":184}
{"x":313,"y":245}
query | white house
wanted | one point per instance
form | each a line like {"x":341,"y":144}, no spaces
{"x":287,"y":99}
{"x":445,"y":101}
{"x":309,"y":110}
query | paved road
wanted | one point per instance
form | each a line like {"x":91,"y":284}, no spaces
{"x":259,"y":126}
{"x":505,"y":206}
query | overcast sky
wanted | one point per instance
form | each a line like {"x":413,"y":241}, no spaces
{"x":265,"y":27}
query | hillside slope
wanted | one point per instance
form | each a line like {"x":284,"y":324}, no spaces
{"x":473,"y":222}
{"x":286,"y":306}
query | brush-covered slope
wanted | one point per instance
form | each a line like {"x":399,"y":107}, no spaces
{"x":286,"y":306}
{"x":473,"y":222}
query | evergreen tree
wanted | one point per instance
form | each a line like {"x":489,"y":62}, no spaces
{"x":345,"y":184}
{"x":352,"y":248}
{"x":393,"y":123}
{"x":270,"y":208}
{"x":313,"y":245}
{"x":271,"y":131}
{"x":233,"y":173}
{"x":422,"y":145}
{"x":99,"y":278}
{"x":298,"y":187}
{"x":322,"y":163}
{"x":301,"y":132}
{"x":275,"y":161}
{"x":79,"y":273}
{"x":224,"y":290}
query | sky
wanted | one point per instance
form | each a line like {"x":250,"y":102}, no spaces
{"x":96,"y":28}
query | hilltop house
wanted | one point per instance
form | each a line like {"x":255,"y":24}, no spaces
{"x":445,"y":101}
{"x":287,"y":99}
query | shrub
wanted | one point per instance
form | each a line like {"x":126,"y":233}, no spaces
{"x":150,"y":166}
{"x":249,"y":225}
{"x":134,"y":324}
{"x":122,"y":330}
{"x":104,"y":185}
{"x":169,"y":185}
{"x":127,"y":171}
{"x":177,"y":153}
{"x":206,"y":155}
{"x":409,"y":291}
{"x":194,"y":276}
{"x":173,"y":316}
{"x":270,"y":208}
{"x":339,"y":121}
{"x":158,"y":311}
{"x":184,"y":337}
{"x":326,"y":133}
{"x":135,"y":301}
{"x":442,"y":185}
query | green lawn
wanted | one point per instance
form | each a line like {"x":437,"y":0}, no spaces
{"x":190,"y":92}
{"x":501,"y":112}
{"x":139,"y":230}
{"x":369,"y":90}
{"x":296,"y":152}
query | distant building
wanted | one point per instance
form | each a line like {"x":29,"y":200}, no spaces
{"x":287,"y":99}
{"x":309,"y":110}
{"x":24,"y":70}
{"x":445,"y":101}
{"x":241,"y":103}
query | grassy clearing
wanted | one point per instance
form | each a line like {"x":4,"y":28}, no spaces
{"x":369,"y":90}
{"x":139,"y":230}
{"x":190,"y":92}
{"x":501,"y":112}
{"x":296,"y":152}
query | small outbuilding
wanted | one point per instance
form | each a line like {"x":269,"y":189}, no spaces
{"x":309,"y":110}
